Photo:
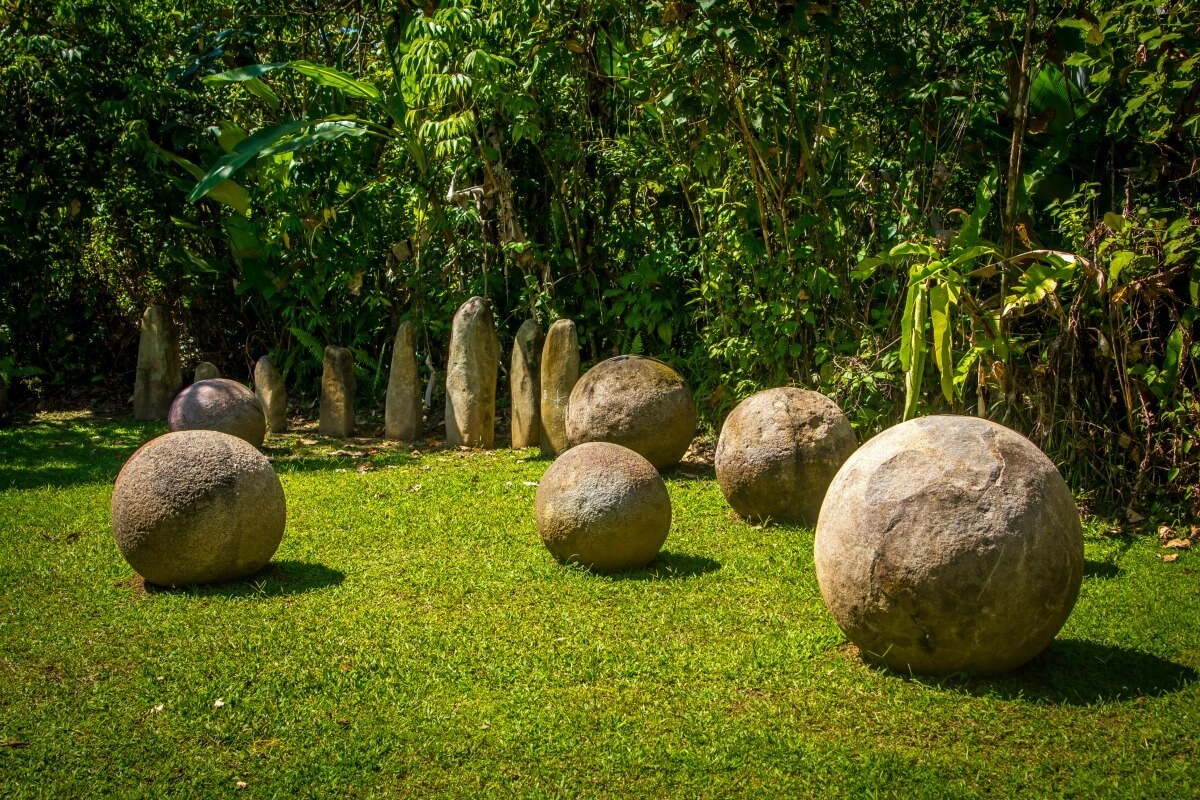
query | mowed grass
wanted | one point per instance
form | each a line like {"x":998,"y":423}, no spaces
{"x":413,"y":638}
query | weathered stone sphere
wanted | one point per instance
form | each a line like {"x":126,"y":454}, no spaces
{"x":219,"y":404}
{"x":778,"y":451}
{"x":636,"y":402}
{"x":196,"y":507}
{"x":949,"y":544}
{"x":604,"y":506}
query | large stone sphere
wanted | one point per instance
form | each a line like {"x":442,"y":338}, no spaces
{"x":778,"y":451}
{"x":219,"y":404}
{"x":604,"y":506}
{"x":949,"y":544}
{"x":197,"y":507}
{"x":636,"y":402}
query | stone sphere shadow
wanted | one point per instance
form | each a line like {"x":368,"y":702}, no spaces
{"x":1100,"y":570}
{"x":1074,"y":672}
{"x":276,"y":579}
{"x":669,"y":565}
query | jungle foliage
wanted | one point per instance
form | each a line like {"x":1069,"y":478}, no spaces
{"x":913,"y":207}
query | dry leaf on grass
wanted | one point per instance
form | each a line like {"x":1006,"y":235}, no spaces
{"x":1171,"y":557}
{"x":1179,"y":544}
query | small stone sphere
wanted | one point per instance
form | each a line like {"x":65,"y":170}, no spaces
{"x":197,"y":507}
{"x":949,"y":544}
{"x":778,"y":451}
{"x":637,"y":402}
{"x":219,"y":404}
{"x":604,"y":506}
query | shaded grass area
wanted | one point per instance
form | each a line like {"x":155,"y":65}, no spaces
{"x":412,"y":637}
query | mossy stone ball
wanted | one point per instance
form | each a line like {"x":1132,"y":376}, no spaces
{"x":604,"y":506}
{"x":778,"y":451}
{"x":197,"y":507}
{"x":637,"y":402}
{"x":219,"y":404}
{"x":949,"y":545}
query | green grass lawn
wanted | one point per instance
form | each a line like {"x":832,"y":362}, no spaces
{"x":414,"y":638}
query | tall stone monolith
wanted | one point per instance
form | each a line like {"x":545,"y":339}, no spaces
{"x":525,"y":383}
{"x":402,"y":414}
{"x":159,"y":373}
{"x":559,"y":372}
{"x":272,"y":394}
{"x":471,"y":376}
{"x":337,"y":393}
{"x":205,"y":371}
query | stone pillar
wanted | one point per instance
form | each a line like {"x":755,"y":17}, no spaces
{"x":337,"y":393}
{"x":402,"y":413}
{"x":205,"y":371}
{"x":159,"y":373}
{"x":560,"y":372}
{"x":471,"y":376}
{"x":525,"y":384}
{"x":272,"y":394}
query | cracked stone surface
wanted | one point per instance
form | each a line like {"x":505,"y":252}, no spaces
{"x":197,"y":506}
{"x":949,"y":544}
{"x":778,"y":451}
{"x":604,"y":506}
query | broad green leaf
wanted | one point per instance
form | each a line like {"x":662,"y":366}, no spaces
{"x":912,"y":249}
{"x":1171,"y":359}
{"x":242,"y":74}
{"x":224,"y":191}
{"x":866,"y":268}
{"x":664,"y":332}
{"x":906,"y":327}
{"x":1115,"y":221}
{"x":1120,"y":260}
{"x":271,"y":141}
{"x":260,"y":90}
{"x":328,"y":76}
{"x":914,"y":377}
{"x":1040,"y":280}
{"x":939,"y":316}
{"x":971,"y":231}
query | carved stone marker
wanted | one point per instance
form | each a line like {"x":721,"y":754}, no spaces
{"x":949,"y":544}
{"x":205,"y":371}
{"x":271,"y":393}
{"x":337,"y":393}
{"x":159,"y":373}
{"x":560,"y":373}
{"x":471,"y":376}
{"x":525,"y":383}
{"x":402,"y":414}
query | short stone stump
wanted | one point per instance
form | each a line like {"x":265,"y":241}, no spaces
{"x":949,"y":544}
{"x":603,"y":506}
{"x":197,"y":507}
{"x":219,"y":404}
{"x":637,"y":402}
{"x":778,"y":451}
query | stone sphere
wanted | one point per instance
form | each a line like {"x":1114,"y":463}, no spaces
{"x":604,"y":506}
{"x":778,"y":451}
{"x":219,"y":404}
{"x":636,"y":402}
{"x":197,"y":507}
{"x":949,"y":544}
